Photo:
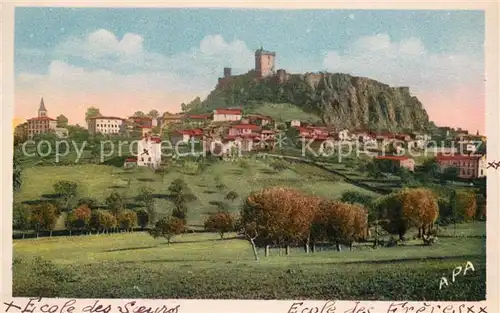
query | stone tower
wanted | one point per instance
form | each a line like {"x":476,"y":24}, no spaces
{"x":42,"y":111}
{"x":264,"y":62}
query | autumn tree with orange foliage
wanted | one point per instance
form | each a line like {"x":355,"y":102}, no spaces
{"x":280,"y":216}
{"x":221,"y":222}
{"x":79,"y":218}
{"x":466,"y":205}
{"x":421,"y":208}
{"x":340,"y":223}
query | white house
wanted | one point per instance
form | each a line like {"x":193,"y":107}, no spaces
{"x":105,"y":125}
{"x":149,"y":152}
{"x":295,"y":123}
{"x":227,"y":115}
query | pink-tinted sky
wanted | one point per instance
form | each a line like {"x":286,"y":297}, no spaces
{"x":112,"y":59}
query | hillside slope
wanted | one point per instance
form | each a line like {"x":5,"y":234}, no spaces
{"x":340,"y":100}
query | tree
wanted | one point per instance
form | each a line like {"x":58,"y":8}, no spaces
{"x":420,"y":207}
{"x":231,"y":196}
{"x":153,"y":113}
{"x":16,"y":173}
{"x":450,"y":173}
{"x":481,"y":207}
{"x":21,"y":217}
{"x":62,"y":121}
{"x":127,"y":219}
{"x":465,"y":205}
{"x":342,"y":223}
{"x":77,"y":133}
{"x":81,"y":217}
{"x":68,"y":190}
{"x":139,"y":114}
{"x":221,"y":222}
{"x":389,"y":209}
{"x":146,"y":198}
{"x":180,"y":195}
{"x":102,"y":221}
{"x":92,"y":112}
{"x":44,"y":217}
{"x":92,"y":203}
{"x":168,"y":227}
{"x":115,"y":203}
{"x":142,"y":218}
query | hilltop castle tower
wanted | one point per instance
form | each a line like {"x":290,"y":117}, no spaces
{"x":264,"y":62}
{"x":42,"y":111}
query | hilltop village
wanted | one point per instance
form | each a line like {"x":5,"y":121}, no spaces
{"x":232,"y":128}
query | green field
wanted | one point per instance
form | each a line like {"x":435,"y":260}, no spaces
{"x":210,"y":186}
{"x":134,"y":265}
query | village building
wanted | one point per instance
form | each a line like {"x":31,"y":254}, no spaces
{"x":107,"y":125}
{"x":469,"y":166}
{"x":227,"y":115}
{"x":295,"y":123}
{"x":243,"y":129}
{"x":149,"y":152}
{"x":396,"y":161}
{"x":169,"y":119}
{"x":186,"y":135}
{"x":42,"y":123}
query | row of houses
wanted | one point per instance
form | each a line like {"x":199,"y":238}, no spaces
{"x":468,"y":166}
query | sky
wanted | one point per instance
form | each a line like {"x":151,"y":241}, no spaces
{"x":125,"y":60}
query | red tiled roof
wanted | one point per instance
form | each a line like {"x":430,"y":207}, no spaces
{"x":42,"y":118}
{"x":198,"y":116}
{"x":246,"y":126}
{"x":228,"y":111}
{"x":106,"y":118}
{"x":131,"y":160}
{"x":140,"y":118}
{"x":191,"y":132}
{"x":392,"y":157}
{"x":456,"y":157}
{"x":243,"y":136}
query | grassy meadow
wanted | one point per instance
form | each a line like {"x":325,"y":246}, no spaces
{"x":209,"y":186}
{"x":200,"y":265}
{"x":203,"y":266}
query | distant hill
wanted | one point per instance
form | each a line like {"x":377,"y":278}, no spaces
{"x":340,"y":100}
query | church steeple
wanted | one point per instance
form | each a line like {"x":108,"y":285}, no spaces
{"x":42,"y":111}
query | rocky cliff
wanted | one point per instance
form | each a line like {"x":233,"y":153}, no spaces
{"x":340,"y":100}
